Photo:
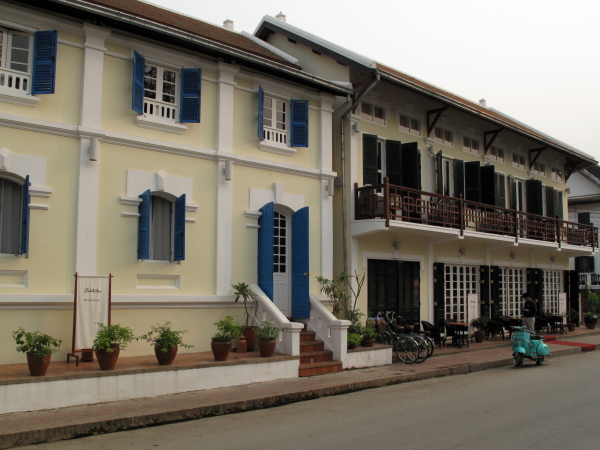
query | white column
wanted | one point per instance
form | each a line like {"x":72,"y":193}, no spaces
{"x":225,"y":93}
{"x":339,"y":334}
{"x":326,"y":152}
{"x":90,"y":120}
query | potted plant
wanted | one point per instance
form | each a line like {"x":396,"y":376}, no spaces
{"x":38,"y":347}
{"x":267,"y":339}
{"x":165,"y":341}
{"x":354,"y":340}
{"x":573,"y":319}
{"x":342,"y":304}
{"x":227,"y":330}
{"x":590,"y":318}
{"x":480,"y":324}
{"x":242,"y":290}
{"x":368,"y":336}
{"x":110,"y":340}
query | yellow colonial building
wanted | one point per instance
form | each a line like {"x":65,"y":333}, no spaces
{"x":451,"y":208}
{"x":160,"y":149}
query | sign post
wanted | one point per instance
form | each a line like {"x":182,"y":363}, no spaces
{"x":92,"y":304}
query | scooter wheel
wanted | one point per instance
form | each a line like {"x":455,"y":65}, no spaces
{"x":539,"y":361}
{"x":518,"y":360}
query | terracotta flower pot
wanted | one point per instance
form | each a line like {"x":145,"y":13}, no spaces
{"x":478,"y":336}
{"x":368,"y":343}
{"x":250,"y":333}
{"x":590,"y":322}
{"x":220,"y":349}
{"x":38,"y":366}
{"x":108,"y":360}
{"x":165,"y":358}
{"x":267,"y":348}
{"x":351,"y":346}
{"x":571,"y":327}
{"x":242,"y":344}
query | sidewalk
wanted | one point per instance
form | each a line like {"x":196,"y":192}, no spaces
{"x":52,"y":425}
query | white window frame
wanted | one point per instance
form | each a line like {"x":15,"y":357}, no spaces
{"x":518,"y":165}
{"x":6,"y":42}
{"x":274,"y":138}
{"x":447,"y":176}
{"x":15,"y":85}
{"x":371,"y":117}
{"x":468,"y":146}
{"x":539,"y":168}
{"x":381,"y":161}
{"x":496,"y":148}
{"x":410,"y":115}
{"x":556,"y":175}
{"x":510,"y":299}
{"x":462,"y":301}
{"x":160,"y":68}
{"x":445,"y":129}
{"x":552,"y":290}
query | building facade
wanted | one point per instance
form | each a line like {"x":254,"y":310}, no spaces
{"x":451,"y":208}
{"x":160,"y":149}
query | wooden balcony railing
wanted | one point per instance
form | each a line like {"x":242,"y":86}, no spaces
{"x":392,"y":202}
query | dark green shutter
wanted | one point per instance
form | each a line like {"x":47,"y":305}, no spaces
{"x":534,"y":287}
{"x":411,"y":166}
{"x":484,"y":291}
{"x":459,"y":178}
{"x":583,"y":218}
{"x":439,"y":173}
{"x":500,"y":180}
{"x":473,"y":181}
{"x":495,"y":304}
{"x":439,"y":295}
{"x":513,"y":192}
{"x":370,"y":159}
{"x":488,"y":185}
{"x":393,"y":157}
{"x":550,"y":201}
{"x":573,"y":292}
{"x":558,"y":204}
{"x":535,"y":204}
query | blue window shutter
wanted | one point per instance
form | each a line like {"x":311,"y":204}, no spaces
{"x":144,"y":226}
{"x":137,"y":96}
{"x":300,"y":265}
{"x":261,"y":113}
{"x":179,"y":238}
{"x":265,"y":249}
{"x":299,"y":129}
{"x":25,"y":218}
{"x":191,"y":94}
{"x":44,"y":62}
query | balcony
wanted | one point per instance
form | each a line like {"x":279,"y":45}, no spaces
{"x":161,"y":116}
{"x":15,"y":88}
{"x":435,"y":214}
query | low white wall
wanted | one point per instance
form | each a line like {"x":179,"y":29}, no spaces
{"x":81,"y":391}
{"x":368,"y":358}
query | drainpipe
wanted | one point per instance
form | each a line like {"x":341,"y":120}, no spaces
{"x":376,"y":79}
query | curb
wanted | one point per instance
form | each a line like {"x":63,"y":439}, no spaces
{"x":62,"y":432}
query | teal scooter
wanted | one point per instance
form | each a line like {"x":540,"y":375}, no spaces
{"x":526,"y":345}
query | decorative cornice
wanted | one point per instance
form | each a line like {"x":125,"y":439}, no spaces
{"x":38,"y":191}
{"x":21,"y":100}
{"x":146,"y":122}
{"x":266,"y":146}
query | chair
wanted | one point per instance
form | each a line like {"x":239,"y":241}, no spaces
{"x":369,"y":204}
{"x":494,"y":327}
{"x":458,"y":339}
{"x":542,"y":323}
{"x":556,"y":323}
{"x":434,"y":332}
{"x":505,"y":321}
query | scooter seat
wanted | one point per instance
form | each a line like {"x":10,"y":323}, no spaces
{"x":535,"y":337}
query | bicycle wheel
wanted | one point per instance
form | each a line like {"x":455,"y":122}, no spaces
{"x":423,"y":348}
{"x":406,"y":349}
{"x":430,"y":346}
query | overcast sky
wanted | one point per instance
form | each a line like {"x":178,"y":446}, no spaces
{"x":537,"y":61}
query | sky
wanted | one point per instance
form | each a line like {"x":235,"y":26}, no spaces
{"x":537,"y":61}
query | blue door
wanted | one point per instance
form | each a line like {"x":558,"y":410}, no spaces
{"x":265,"y":249}
{"x":300,"y":265}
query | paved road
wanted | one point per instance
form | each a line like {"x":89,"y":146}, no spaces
{"x":550,"y":407}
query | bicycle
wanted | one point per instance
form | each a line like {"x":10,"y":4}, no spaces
{"x":406,"y":348}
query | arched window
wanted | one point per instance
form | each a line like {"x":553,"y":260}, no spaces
{"x":11,"y":216}
{"x":161,"y":230}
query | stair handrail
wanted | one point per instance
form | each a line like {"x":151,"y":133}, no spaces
{"x":329,"y":329}
{"x":288,"y":341}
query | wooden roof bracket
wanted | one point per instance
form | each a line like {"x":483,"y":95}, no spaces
{"x":437,"y":113}
{"x":538,"y":152}
{"x":488,"y":143}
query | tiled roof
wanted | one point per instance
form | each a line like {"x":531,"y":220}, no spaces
{"x":189,"y":25}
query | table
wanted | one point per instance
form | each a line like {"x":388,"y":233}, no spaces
{"x":557,"y":322}
{"x":461,"y":334}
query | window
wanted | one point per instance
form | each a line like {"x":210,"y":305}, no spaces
{"x":410,"y":125}
{"x":556,"y":174}
{"x":160,"y":92}
{"x":470,"y":145}
{"x":11,"y":203}
{"x":460,"y":282}
{"x":518,"y":161}
{"x":275,"y":120}
{"x":444,"y":136}
{"x":161,"y":229}
{"x":552,"y":283}
{"x":282,"y":124}
{"x":512,"y":285}
{"x":373,"y":113}
{"x":539,"y":169}
{"x":16,"y":54}
{"x":496,"y":154}
{"x":280,"y":228}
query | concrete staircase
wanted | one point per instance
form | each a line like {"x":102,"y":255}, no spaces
{"x":314,"y":359}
